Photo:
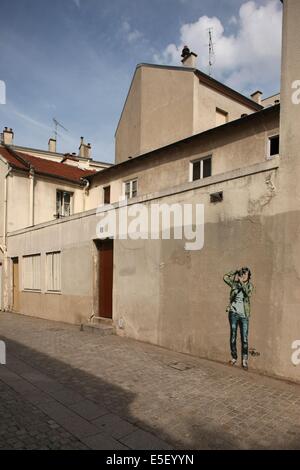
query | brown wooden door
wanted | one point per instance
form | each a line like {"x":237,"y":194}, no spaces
{"x":16,"y":290}
{"x":105,"y":278}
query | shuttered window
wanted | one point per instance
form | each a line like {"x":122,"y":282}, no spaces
{"x":32,"y":272}
{"x":53,"y":274}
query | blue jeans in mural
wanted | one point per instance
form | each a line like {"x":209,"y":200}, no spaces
{"x":236,"y":321}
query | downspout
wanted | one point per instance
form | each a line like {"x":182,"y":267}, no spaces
{"x":31,"y":196}
{"x":86,"y":192}
{"x":3,"y":247}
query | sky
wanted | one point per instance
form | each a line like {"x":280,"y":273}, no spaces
{"x":74,"y":60}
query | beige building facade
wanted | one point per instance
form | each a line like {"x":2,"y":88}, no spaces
{"x":167,"y":104}
{"x":244,"y":177}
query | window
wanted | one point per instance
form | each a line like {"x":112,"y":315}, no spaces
{"x":201,"y":169}
{"x":216,"y":197}
{"x":53,"y":272}
{"x":32,"y":272}
{"x":221,"y":117}
{"x":131,"y":188}
{"x":273,"y":146}
{"x":106,"y":195}
{"x":63,"y":203}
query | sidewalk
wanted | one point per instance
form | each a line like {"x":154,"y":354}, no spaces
{"x":66,"y":389}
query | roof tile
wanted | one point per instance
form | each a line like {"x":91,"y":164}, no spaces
{"x":25,"y":162}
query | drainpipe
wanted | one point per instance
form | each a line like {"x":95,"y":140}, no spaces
{"x":31,"y":197}
{"x":5,"y":208}
{"x":3,"y":247}
{"x":86,"y":192}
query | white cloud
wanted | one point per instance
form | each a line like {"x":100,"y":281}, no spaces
{"x":132,"y":35}
{"x":249,"y":55}
{"x":77,"y":3}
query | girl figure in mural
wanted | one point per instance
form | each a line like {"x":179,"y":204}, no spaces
{"x":239,"y":311}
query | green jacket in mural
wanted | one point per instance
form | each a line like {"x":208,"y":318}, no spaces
{"x":237,"y":286}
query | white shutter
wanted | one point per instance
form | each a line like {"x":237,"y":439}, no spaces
{"x":53,"y":267}
{"x":32,"y":272}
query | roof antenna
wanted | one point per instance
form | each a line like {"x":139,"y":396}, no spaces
{"x":211,"y":51}
{"x":56,"y":126}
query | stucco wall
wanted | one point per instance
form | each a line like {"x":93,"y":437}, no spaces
{"x":75,"y":241}
{"x":165,"y":105}
{"x":230,"y":149}
{"x":166,"y":295}
{"x":18,"y":207}
{"x":207,"y":100}
{"x":45,"y":198}
{"x":286,"y":293}
{"x":128,"y":134}
{"x":20,"y":204}
{"x":270,"y":101}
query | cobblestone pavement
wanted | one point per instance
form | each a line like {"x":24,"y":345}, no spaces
{"x":63,"y":389}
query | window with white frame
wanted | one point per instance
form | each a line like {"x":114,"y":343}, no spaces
{"x":201,"y":168}
{"x":130,"y":188}
{"x":32,"y":272}
{"x":63,"y":203}
{"x":53,"y":271}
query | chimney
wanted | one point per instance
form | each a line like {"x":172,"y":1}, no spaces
{"x":257,"y":96}
{"x":52,"y":145}
{"x":85,"y":150}
{"x":7,"y":136}
{"x":189,"y":59}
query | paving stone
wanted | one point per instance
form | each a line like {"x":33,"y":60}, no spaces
{"x":65,"y":396}
{"x":89,"y":410}
{"x":202,"y":406}
{"x":114,"y":426}
{"x":103,"y":442}
{"x":75,"y":424}
{"x":142,"y":440}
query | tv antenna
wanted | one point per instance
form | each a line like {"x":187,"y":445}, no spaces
{"x":57,"y":124}
{"x":211,"y":51}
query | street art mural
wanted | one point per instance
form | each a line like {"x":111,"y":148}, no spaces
{"x":239,"y":311}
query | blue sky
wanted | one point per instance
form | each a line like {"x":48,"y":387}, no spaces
{"x":74,"y":59}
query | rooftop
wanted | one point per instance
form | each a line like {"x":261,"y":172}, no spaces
{"x":24,"y":162}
